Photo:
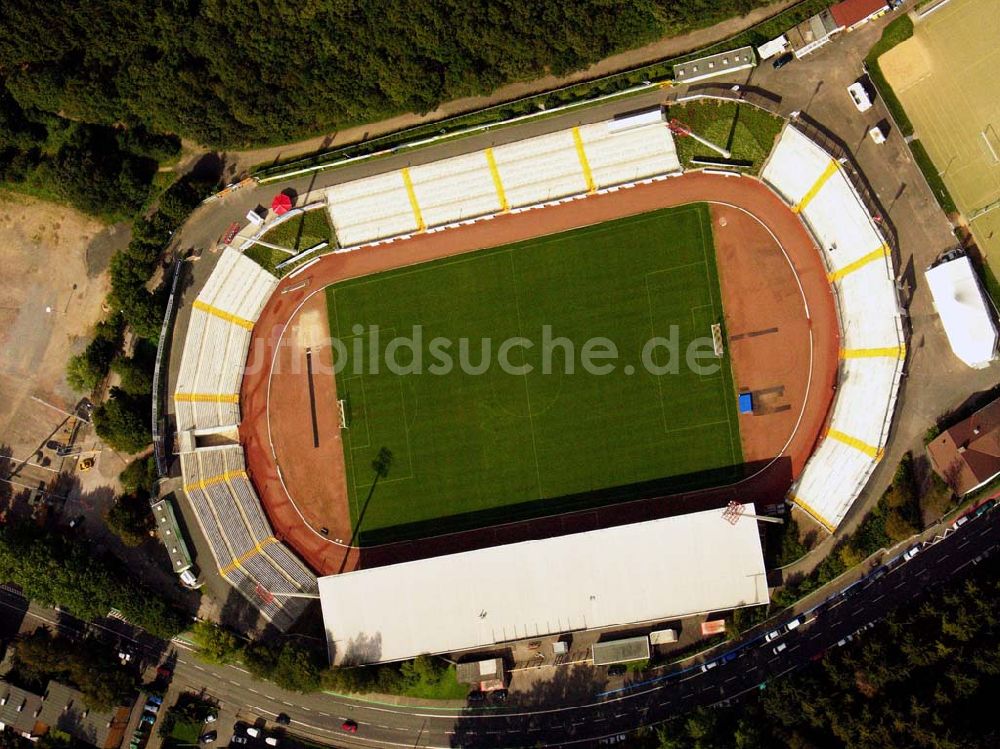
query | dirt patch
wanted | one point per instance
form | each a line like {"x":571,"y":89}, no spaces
{"x":49,"y":302}
{"x":906,"y":63}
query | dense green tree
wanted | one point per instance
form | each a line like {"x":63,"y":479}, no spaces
{"x":93,"y":670}
{"x":139,"y":477}
{"x":216,"y":644}
{"x":85,"y":371}
{"x":229,"y":74}
{"x":123,"y":422}
{"x":54,"y":570}
{"x":129,"y":518}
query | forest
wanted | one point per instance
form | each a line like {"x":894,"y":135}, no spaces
{"x":924,"y":677}
{"x":231,"y":74}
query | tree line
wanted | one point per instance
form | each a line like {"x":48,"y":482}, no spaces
{"x":231,"y":74}
{"x":296,"y":667}
{"x":55,"y":570}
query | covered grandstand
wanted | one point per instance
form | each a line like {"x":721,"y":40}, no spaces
{"x":226,"y":506}
{"x":509,"y":177}
{"x":860,"y":270}
{"x":218,"y":337}
{"x":631,"y":574}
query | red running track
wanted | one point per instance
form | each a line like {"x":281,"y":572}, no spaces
{"x":783,"y":340}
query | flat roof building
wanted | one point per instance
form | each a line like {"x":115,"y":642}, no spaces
{"x":620,"y":651}
{"x":169,"y":531}
{"x":714,"y":65}
{"x":639,"y":573}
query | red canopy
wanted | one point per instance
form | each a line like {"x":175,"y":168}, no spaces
{"x":281,"y":203}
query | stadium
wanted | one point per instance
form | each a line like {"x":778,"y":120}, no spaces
{"x":442,"y":512}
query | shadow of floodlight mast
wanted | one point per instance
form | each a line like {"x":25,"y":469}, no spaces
{"x":381,"y":466}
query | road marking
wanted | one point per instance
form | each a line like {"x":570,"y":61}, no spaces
{"x":254,"y":691}
{"x":234,"y":683}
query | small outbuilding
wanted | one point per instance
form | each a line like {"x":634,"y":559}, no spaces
{"x":963,"y":308}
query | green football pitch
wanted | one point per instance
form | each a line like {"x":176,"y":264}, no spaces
{"x":465,"y":449}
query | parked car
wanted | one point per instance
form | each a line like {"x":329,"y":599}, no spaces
{"x":476,"y":697}
{"x":794,"y":623}
{"x":618,"y":669}
{"x":283,"y":719}
{"x":959,"y":522}
{"x":911,"y":553}
{"x":707,"y":666}
{"x":774,"y":634}
{"x":860,"y":97}
{"x":498,"y":695}
{"x":984,"y":508}
{"x":349,"y":725}
{"x":154,"y":709}
{"x":208,"y":737}
{"x":211,"y":718}
{"x":164,"y":672}
{"x":253,"y":732}
{"x":154,"y":700}
{"x":271,"y":740}
{"x":239,"y":740}
{"x":779,"y":647}
{"x":147,"y":718}
{"x":782,"y":60}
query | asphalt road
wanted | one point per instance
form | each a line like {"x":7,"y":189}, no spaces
{"x":750,"y":663}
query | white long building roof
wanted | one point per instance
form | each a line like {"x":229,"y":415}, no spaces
{"x":644,"y":572}
{"x":964,"y":314}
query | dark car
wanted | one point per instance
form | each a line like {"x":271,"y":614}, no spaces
{"x":283,"y":719}
{"x":984,"y":508}
{"x":617,"y":670}
{"x":349,"y":725}
{"x":208,"y":737}
{"x":783,"y":60}
{"x":498,"y":695}
{"x":476,"y":697}
{"x":239,"y":740}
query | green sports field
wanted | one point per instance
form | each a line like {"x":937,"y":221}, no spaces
{"x":470,"y":450}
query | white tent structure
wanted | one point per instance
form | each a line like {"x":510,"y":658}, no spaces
{"x":964,"y":313}
{"x":643,"y":572}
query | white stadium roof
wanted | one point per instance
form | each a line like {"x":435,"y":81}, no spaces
{"x":964,"y":314}
{"x":644,"y":572}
